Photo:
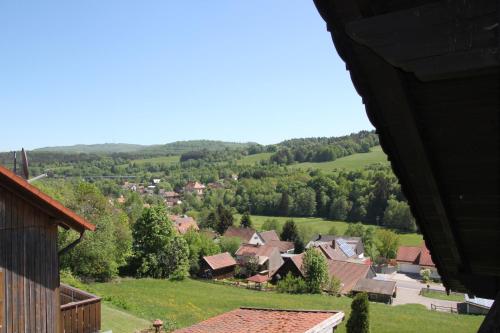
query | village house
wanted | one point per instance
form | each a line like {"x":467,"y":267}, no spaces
{"x":271,"y":238}
{"x":172,"y":198}
{"x":195,"y":188}
{"x":183,"y":223}
{"x":246,"y":235}
{"x":412,"y":259}
{"x":348,"y":272}
{"x":270,"y":321}
{"x":351,"y":246}
{"x":268,"y":257}
{"x":31,"y":298}
{"x":218,"y":266}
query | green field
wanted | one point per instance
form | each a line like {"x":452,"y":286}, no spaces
{"x":187,"y":302}
{"x":349,"y":163}
{"x":253,"y":159}
{"x":168,"y":160}
{"x":322,"y":226}
{"x":120,"y":321}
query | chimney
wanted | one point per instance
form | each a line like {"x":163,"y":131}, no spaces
{"x":333,"y":243}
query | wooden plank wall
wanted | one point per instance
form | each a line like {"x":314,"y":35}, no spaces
{"x":81,"y":318}
{"x":28,"y":258}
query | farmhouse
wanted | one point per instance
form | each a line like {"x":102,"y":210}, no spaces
{"x":31,"y":299}
{"x":270,"y":321}
{"x":246,"y":235}
{"x":268,"y":257}
{"x":377,"y":290}
{"x":412,"y":259}
{"x":218,"y":266}
{"x":271,"y":238}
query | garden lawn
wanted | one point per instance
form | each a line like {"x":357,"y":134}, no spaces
{"x":120,"y":321}
{"x":437,"y":295}
{"x":322,"y":226}
{"x":188,"y":302}
{"x":349,"y":163}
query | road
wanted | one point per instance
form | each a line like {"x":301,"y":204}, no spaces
{"x":408,"y":291}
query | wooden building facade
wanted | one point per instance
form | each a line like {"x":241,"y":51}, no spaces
{"x":29,"y":265}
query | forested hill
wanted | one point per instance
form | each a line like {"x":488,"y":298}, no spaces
{"x":106,"y":148}
{"x":120,"y":159}
{"x":173,"y":148}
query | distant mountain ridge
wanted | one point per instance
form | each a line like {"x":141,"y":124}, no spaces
{"x":172,"y":148}
{"x":94,"y":148}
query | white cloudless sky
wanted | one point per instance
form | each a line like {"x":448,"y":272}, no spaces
{"x":152,"y":72}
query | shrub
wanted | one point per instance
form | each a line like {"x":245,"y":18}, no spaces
{"x":292,"y":285}
{"x":359,"y":321}
{"x":333,"y":286}
{"x":315,"y":269}
{"x":425,"y":274}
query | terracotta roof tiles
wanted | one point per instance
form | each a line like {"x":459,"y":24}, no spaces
{"x":252,"y":320}
{"x":220,"y":260}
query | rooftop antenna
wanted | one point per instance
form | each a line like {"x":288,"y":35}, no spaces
{"x":15,"y":162}
{"x":25,"y":164}
{"x":25,"y":167}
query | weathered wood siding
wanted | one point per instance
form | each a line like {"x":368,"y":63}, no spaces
{"x":28,"y":259}
{"x":80,"y":311}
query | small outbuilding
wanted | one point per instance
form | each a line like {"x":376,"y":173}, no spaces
{"x":377,"y":290}
{"x":218,"y":266}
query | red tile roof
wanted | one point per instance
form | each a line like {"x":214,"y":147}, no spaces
{"x":256,"y":250}
{"x":220,"y":260}
{"x":251,"y":320}
{"x":281,"y":245}
{"x":417,"y":255}
{"x":36,"y":197}
{"x":184,"y":223}
{"x":349,"y":273}
{"x":258,"y":278}
{"x":244,"y":233}
{"x":269,"y":236}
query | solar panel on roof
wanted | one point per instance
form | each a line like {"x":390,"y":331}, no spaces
{"x":346,"y":248}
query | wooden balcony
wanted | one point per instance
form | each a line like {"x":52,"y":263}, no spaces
{"x":80,"y":311}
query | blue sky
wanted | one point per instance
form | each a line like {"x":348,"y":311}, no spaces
{"x":153,"y":72}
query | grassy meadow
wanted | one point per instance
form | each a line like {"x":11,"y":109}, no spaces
{"x":253,"y":159}
{"x":321,"y":226}
{"x":348,"y":163}
{"x":190,"y":301}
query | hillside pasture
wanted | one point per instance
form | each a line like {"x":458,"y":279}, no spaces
{"x":348,"y":163}
{"x":322,"y":226}
{"x":190,"y":301}
{"x":253,"y":159}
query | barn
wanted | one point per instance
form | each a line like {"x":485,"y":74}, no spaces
{"x":31,"y":298}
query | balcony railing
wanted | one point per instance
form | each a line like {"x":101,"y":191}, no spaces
{"x":80,"y":311}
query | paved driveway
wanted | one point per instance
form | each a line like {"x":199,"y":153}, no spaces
{"x":408,"y":291}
